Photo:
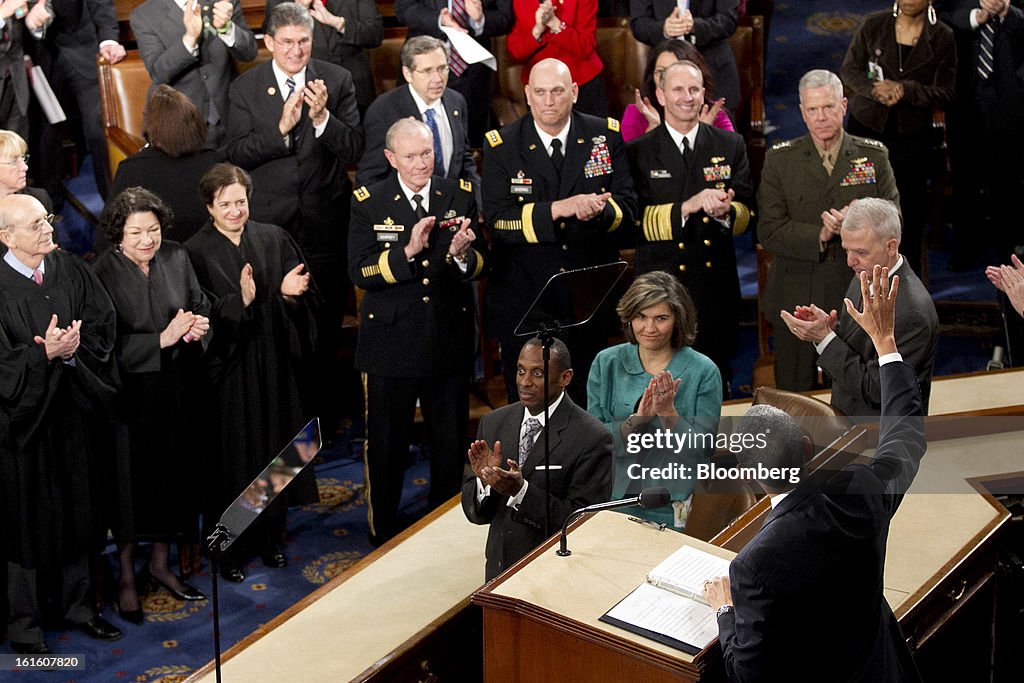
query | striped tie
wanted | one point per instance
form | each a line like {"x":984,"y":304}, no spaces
{"x":986,"y":48}
{"x":455,"y":61}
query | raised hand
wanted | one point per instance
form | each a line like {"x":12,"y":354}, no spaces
{"x":674,"y":26}
{"x":222,"y":11}
{"x":644,"y":106}
{"x":879,"y":315}
{"x":481,"y":456}
{"x":192,"y":18}
{"x":709,"y":114}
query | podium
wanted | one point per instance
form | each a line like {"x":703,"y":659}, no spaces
{"x":541,"y":616}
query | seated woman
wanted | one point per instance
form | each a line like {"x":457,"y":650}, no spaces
{"x":567,"y":31}
{"x":161,"y":321}
{"x":646,"y":114}
{"x":14,"y":169}
{"x":343,"y":32}
{"x":656,"y":381}
{"x":171,"y":165}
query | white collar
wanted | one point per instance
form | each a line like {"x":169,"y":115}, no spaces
{"x":546,"y":139}
{"x":281,"y":76}
{"x":421,"y":103}
{"x":778,"y":498}
{"x":424,"y":192}
{"x":20,"y":267}
{"x":677,"y":137}
{"x":540,"y":416}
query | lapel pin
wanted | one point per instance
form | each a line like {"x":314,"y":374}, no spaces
{"x":271,"y":90}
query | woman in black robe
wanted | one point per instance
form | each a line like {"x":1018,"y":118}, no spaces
{"x":162,"y":318}
{"x":255,"y":278}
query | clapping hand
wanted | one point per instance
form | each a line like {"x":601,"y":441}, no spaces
{"x":315,"y":95}
{"x":420,"y":237}
{"x":482,"y":458}
{"x":708,"y":114}
{"x":222,"y":11}
{"x":200,"y":326}
{"x":461,"y":240}
{"x":674,"y":26}
{"x":247,"y":285}
{"x":1010,"y":281}
{"x":60,"y":342}
{"x":295,"y":283}
{"x":38,"y":17}
{"x":644,"y":106}
{"x":179,"y":326}
{"x":810,"y":323}
{"x":193,"y":21}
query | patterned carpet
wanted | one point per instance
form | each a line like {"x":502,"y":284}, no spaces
{"x":177,"y":637}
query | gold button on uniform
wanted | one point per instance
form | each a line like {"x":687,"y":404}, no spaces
{"x":706,"y":219}
{"x":370,"y":316}
{"x":682,"y":268}
{"x":426,"y":263}
{"x":561,"y":270}
{"x":426,"y":299}
{"x":682,"y":245}
{"x":707,"y":243}
{"x":562,"y":225}
{"x":426,"y":280}
{"x":707,"y":264}
{"x":565,"y":247}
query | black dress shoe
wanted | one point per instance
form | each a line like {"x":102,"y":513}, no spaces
{"x":274,"y":559}
{"x":232,"y":574}
{"x":190,"y":592}
{"x":39,"y":648}
{"x":133,"y":616}
{"x":100,"y":629}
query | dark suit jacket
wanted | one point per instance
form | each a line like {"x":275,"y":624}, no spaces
{"x":417,"y":316}
{"x":364,"y":29}
{"x":1008,"y":58}
{"x":851,"y":361}
{"x":928,"y":76}
{"x":74,"y":36}
{"x":399,"y":104}
{"x":701,"y":254}
{"x":12,"y":58}
{"x":519,"y":185}
{"x":307,"y":179}
{"x":808,"y":588}
{"x":714,"y":22}
{"x":204,"y":78}
{"x":421,"y":18}
{"x":580,"y":445}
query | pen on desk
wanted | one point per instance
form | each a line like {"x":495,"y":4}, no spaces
{"x":647,"y":522}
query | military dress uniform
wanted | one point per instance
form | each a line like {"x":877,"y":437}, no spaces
{"x":700,"y":252}
{"x":415,"y":338}
{"x":520,"y":182}
{"x":795,"y":189}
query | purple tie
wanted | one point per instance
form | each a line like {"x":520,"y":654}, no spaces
{"x":37,"y":275}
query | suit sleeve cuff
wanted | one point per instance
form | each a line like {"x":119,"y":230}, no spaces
{"x":890,"y":358}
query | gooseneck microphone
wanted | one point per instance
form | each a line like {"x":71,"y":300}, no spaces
{"x":649,"y":499}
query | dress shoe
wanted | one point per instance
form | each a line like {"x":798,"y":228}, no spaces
{"x":274,"y":559}
{"x":132,"y":616}
{"x":100,"y":629}
{"x":190,"y":592}
{"x":232,"y":574}
{"x":39,"y":648}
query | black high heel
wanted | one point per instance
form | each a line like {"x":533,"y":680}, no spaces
{"x":134,"y":616}
{"x":190,"y":593}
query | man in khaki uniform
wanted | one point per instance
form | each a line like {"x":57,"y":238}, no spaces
{"x":806,"y":186}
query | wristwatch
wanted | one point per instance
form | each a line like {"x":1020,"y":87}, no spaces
{"x":724,"y":609}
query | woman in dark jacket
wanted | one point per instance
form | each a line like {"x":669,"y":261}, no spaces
{"x":899,"y":68}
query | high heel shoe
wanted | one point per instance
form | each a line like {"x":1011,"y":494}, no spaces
{"x":190,"y":592}
{"x":134,"y":616}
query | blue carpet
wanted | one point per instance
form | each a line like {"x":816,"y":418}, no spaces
{"x":177,"y":637}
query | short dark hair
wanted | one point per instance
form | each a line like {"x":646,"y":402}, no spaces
{"x":172,"y":124}
{"x":683,"y":50}
{"x":220,"y":176}
{"x":288,"y":14}
{"x":560,"y":358}
{"x":651,"y":289}
{"x":131,"y":201}
{"x":783,"y":448}
{"x":420,"y":45}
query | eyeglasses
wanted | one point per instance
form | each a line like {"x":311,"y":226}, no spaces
{"x":16,"y":160}
{"x":439,"y":70}
{"x":288,"y":44}
{"x":38,"y":225}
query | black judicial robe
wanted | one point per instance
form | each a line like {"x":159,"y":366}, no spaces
{"x":160,"y":435}
{"x":255,"y":354}
{"x":50,"y":411}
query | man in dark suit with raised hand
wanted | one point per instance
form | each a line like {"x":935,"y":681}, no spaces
{"x":557,"y":189}
{"x":413,"y":251}
{"x":803,"y":600}
{"x":294,"y":126}
{"x":425,"y":96}
{"x":694,"y":193}
{"x":190,"y":47}
{"x":506,"y":486}
{"x":870,"y":236}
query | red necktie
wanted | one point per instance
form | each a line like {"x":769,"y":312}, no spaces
{"x":455,"y":61}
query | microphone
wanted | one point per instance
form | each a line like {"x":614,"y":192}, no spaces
{"x":649,"y":499}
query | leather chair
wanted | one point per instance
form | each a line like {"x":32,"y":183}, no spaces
{"x":715,"y":505}
{"x":822,"y":422}
{"x":123,"y":88}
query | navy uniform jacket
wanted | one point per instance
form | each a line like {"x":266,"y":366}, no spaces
{"x":519,"y":185}
{"x":416,"y":319}
{"x":808,"y":587}
{"x":795,"y":189}
{"x":701,"y":253}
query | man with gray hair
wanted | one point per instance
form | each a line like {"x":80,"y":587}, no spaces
{"x":806,"y":186}
{"x":803,"y":600}
{"x":425,"y":96}
{"x":413,"y":250}
{"x":871,"y":236}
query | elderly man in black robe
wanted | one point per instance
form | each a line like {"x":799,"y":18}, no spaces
{"x":57,"y":330}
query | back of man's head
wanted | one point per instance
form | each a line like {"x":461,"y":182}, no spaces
{"x":780,"y":451}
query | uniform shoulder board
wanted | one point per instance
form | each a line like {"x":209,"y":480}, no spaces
{"x":613,"y":124}
{"x":493,"y":138}
{"x":783,"y":145}
{"x":871,"y":143}
{"x":465,"y":185}
{"x":362,"y":194}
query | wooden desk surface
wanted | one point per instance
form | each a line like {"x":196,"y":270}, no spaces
{"x":953,"y":394}
{"x":367,"y":612}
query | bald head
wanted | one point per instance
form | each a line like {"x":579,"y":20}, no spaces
{"x":551,"y":94}
{"x":24,"y":229}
